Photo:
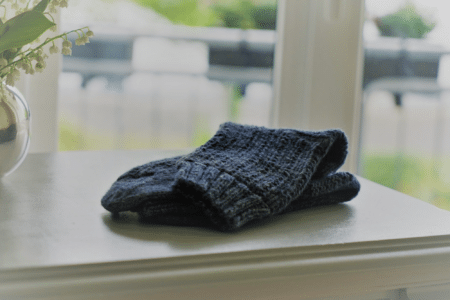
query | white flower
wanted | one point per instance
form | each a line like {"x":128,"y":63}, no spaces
{"x":66,"y":51}
{"x":25,"y":66}
{"x":40,"y":66}
{"x":80,"y":41}
{"x":16,"y":73}
{"x":52,"y":9}
{"x":19,"y":65}
{"x":31,"y":56}
{"x":13,"y":75}
{"x":10,"y":79}
{"x":67,"y":44}
{"x":53,"y":49}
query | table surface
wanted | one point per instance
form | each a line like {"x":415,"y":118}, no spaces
{"x":51,"y":216}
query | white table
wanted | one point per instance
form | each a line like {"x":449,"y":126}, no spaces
{"x":57,"y":242}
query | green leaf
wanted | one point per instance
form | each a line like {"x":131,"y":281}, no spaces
{"x":23,"y":29}
{"x":41,"y":6}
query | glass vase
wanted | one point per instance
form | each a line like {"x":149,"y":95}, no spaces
{"x":14,"y":129}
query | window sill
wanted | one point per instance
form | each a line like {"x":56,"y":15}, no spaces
{"x":57,"y":241}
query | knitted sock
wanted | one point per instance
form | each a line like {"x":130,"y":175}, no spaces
{"x":245,"y":173}
{"x":148,"y":190}
{"x":151,"y":182}
{"x":333,"y":189}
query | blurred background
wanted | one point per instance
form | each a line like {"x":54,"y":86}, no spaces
{"x":166,"y":73}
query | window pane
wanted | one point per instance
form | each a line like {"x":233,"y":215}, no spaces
{"x":406,"y":113}
{"x":165,"y":75}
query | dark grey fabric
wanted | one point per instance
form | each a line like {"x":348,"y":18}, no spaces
{"x":151,"y":182}
{"x":242,"y":174}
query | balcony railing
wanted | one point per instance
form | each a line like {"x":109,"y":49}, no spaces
{"x":234,"y":55}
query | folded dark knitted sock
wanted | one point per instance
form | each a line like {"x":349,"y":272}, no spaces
{"x":336,"y":188}
{"x":148,"y":190}
{"x":245,"y":173}
{"x":332,"y":189}
{"x":152,"y":182}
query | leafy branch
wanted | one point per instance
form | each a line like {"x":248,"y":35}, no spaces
{"x":24,"y":29}
{"x":29,"y":52}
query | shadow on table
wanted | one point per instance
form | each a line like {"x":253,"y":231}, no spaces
{"x":314,"y":224}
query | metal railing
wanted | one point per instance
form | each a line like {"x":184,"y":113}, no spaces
{"x":235,"y":55}
{"x":241,"y":56}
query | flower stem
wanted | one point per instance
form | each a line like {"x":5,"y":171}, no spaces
{"x":30,"y":51}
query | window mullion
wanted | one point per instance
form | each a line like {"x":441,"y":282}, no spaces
{"x":318,"y":67}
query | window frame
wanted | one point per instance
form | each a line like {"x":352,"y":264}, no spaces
{"x":318,"y":68}
{"x":303,"y":85}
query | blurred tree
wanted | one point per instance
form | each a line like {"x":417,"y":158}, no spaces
{"x":245,"y":14}
{"x":405,"y":23}
{"x":186,"y":12}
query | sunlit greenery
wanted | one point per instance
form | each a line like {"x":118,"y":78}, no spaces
{"x":201,"y":132}
{"x":185,"y":12}
{"x":418,"y":176}
{"x":407,"y":22}
{"x":245,"y":14}
{"x":73,"y":137}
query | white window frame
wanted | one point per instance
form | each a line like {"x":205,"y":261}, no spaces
{"x":318,"y":68}
{"x":317,"y":75}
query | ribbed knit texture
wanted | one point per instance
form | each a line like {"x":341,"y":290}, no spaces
{"x":242,"y":174}
{"x":331,"y":189}
{"x":245,"y":173}
{"x":151,"y":183}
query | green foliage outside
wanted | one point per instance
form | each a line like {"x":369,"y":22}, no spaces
{"x":419,"y":177}
{"x":236,"y":101}
{"x":186,"y":12}
{"x":202,"y":133}
{"x":407,"y":22}
{"x":73,"y":137}
{"x":245,"y":14}
{"x":70,"y":137}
